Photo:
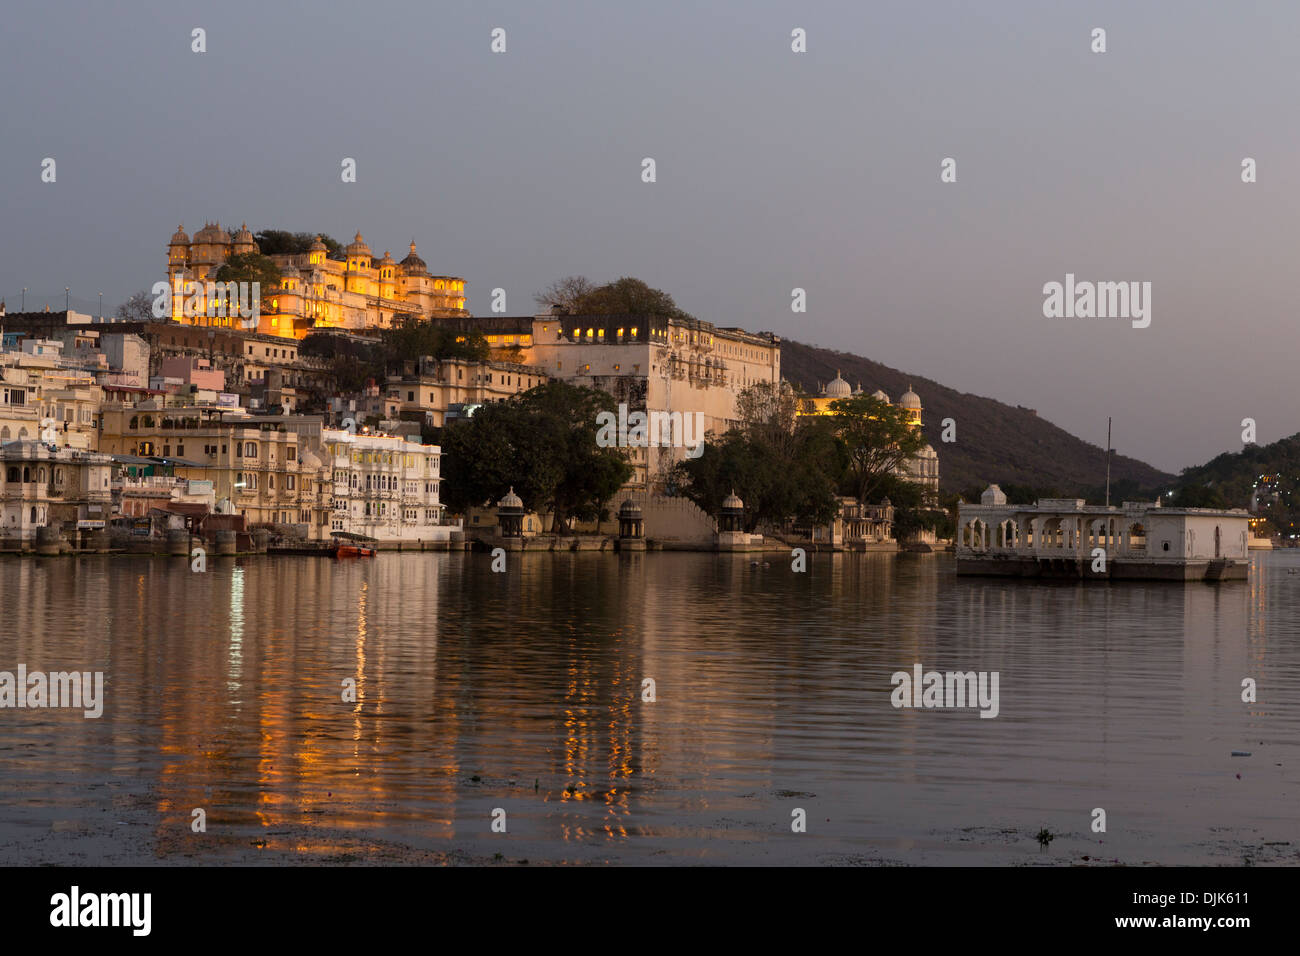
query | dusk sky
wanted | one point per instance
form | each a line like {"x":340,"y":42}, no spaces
{"x":775,"y":170}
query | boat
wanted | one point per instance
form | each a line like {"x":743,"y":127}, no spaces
{"x":348,"y":544}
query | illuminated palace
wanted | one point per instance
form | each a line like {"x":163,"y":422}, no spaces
{"x":316,"y":292}
{"x":923,"y":469}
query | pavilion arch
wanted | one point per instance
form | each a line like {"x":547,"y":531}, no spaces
{"x":1137,"y":537}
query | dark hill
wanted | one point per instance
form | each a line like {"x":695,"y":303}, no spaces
{"x":999,"y":443}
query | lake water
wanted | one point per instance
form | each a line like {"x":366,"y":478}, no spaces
{"x":522,"y":692}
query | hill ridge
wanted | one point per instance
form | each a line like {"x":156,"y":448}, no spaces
{"x":995,"y":442}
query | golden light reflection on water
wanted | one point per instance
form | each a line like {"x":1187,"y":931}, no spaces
{"x":524,"y":692}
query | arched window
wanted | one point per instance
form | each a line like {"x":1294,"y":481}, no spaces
{"x":27,"y":474}
{"x":13,"y":473}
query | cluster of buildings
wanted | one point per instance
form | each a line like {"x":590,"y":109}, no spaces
{"x":198,"y":422}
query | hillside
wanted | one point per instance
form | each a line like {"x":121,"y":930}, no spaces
{"x":995,"y":442}
{"x":1230,"y":480}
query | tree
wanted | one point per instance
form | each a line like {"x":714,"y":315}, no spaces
{"x":543,"y":444}
{"x":1198,"y":496}
{"x":878,"y":438}
{"x":782,"y":466}
{"x":277,"y":242}
{"x":138,"y":308}
{"x":626,"y":296}
{"x":565,"y":294}
{"x":414,"y":338}
{"x":912,"y":512}
{"x":250,"y":267}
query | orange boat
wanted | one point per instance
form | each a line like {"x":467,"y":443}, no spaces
{"x":353,"y":551}
{"x":350,"y":545}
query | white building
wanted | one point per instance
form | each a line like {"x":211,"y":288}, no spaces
{"x":385,"y":487}
{"x":1067,"y":537}
{"x":43,"y":486}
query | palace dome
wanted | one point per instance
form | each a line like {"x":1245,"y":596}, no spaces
{"x":910,"y":400}
{"x":511,"y":500}
{"x":413,"y":262}
{"x":880,"y":395}
{"x":838,"y":388}
{"x":733,"y":502}
{"x":317,"y":246}
{"x":212,"y":233}
{"x":180,"y":239}
{"x":358,"y":247}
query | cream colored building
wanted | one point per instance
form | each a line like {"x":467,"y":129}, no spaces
{"x":657,"y":364}
{"x":42,"y":486}
{"x":262,"y":467}
{"x":46,"y":397}
{"x":384,"y":487}
{"x":923,"y":468}
{"x":361,"y":291}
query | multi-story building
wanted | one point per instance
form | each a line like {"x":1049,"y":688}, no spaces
{"x":41,"y":485}
{"x":384,"y":487}
{"x":262,"y":467}
{"x":657,"y":364}
{"x":316,"y":292}
{"x":47,"y":397}
{"x":428,"y":389}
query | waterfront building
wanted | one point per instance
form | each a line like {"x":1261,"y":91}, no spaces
{"x":261,"y":467}
{"x":657,"y":364}
{"x":384,"y":487}
{"x":1068,"y":537}
{"x":359,"y":291}
{"x":45,"y":486}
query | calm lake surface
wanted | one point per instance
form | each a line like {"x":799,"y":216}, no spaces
{"x":523,"y":691}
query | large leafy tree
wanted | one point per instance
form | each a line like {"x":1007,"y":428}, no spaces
{"x":541,"y":443}
{"x":250,"y":267}
{"x":273,"y":242}
{"x":412,"y":338}
{"x":577,"y":295}
{"x":781,"y":465}
{"x":878,"y":439}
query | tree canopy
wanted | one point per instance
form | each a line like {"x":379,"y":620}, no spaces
{"x":542,"y":443}
{"x":250,"y":267}
{"x":577,"y":295}
{"x":275,"y":242}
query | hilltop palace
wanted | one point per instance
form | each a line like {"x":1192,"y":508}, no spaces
{"x":316,"y":292}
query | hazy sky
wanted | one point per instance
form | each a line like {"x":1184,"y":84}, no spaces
{"x":775,"y":170}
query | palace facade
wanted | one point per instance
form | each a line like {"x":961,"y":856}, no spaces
{"x":360,"y":291}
